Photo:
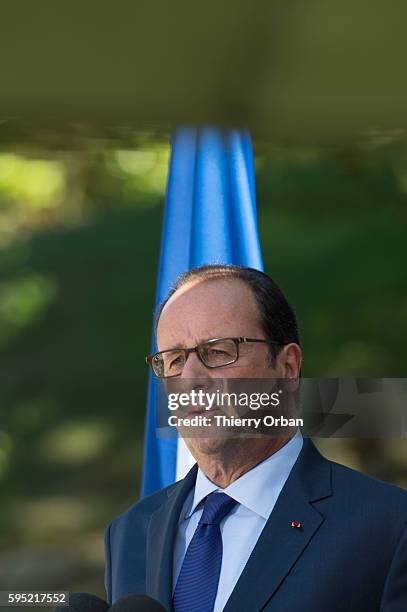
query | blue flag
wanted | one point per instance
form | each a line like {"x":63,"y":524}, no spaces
{"x":209,"y":217}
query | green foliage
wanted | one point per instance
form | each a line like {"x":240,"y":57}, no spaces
{"x":76,"y":296}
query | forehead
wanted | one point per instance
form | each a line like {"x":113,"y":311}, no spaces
{"x":204,"y":309}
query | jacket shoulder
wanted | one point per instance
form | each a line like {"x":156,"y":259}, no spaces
{"x":140,"y":512}
{"x":367,"y":490}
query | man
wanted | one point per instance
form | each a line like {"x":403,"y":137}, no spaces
{"x":259,"y":523}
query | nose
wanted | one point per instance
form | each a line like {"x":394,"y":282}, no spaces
{"x":195,"y":376}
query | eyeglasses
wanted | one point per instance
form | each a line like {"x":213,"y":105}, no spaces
{"x":216,"y":353}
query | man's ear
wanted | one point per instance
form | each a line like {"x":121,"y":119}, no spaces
{"x":289,"y":361}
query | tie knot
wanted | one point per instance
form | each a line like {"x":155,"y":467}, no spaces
{"x":217,"y":506}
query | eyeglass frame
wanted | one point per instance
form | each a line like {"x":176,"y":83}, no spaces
{"x":187,"y":351}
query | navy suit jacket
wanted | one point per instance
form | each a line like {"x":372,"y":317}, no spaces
{"x":349,"y":556}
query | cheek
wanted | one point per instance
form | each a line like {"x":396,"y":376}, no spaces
{"x":250,"y":366}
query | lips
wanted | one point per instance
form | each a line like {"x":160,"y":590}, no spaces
{"x":198,"y":411}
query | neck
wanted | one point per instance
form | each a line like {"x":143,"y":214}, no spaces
{"x":230,"y":462}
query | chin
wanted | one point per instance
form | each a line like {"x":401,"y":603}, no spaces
{"x":208,"y":445}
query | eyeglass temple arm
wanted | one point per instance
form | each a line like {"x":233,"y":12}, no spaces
{"x":260,"y":340}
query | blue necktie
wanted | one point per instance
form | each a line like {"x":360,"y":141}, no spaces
{"x":198,"y":580}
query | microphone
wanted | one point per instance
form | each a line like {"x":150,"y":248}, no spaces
{"x":137,"y":603}
{"x":83,"y":602}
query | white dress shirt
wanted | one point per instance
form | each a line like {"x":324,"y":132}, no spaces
{"x":256,"y":493}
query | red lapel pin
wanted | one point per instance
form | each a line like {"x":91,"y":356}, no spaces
{"x":296,"y":524}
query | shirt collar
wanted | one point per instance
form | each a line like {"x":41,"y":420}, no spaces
{"x":259,"y":488}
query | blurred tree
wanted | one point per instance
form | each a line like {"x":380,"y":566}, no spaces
{"x":80,"y":232}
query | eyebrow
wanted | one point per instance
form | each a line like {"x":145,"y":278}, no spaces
{"x":200,"y":342}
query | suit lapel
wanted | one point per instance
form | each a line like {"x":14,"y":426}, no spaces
{"x":161,"y":534}
{"x":280,"y":545}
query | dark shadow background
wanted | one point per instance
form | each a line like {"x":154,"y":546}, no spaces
{"x":79,"y":245}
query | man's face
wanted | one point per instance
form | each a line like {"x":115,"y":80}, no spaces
{"x":221,"y":308}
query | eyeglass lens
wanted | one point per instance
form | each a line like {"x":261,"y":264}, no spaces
{"x":213,"y":354}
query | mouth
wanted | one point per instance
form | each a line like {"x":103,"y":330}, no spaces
{"x":202,"y":410}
